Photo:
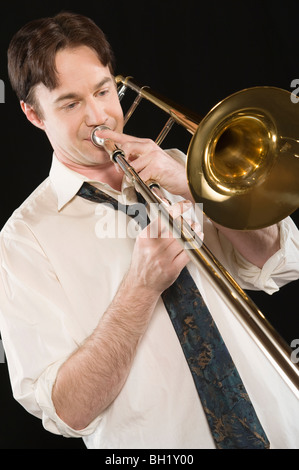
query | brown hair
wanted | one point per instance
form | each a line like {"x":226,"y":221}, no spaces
{"x":32,"y":50}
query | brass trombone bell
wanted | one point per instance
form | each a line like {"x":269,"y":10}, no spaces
{"x":243,"y":160}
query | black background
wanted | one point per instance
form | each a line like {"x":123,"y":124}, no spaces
{"x":194,"y":52}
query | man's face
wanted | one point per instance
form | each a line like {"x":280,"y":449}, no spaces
{"x":85,"y":97}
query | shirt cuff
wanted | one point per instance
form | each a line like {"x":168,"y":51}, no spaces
{"x":51,"y":421}
{"x":278,"y":270}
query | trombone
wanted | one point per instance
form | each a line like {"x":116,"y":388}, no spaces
{"x":236,"y":163}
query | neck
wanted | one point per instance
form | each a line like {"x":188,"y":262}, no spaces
{"x":108,"y":174}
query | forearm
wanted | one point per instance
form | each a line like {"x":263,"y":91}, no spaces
{"x":93,"y":375}
{"x":256,"y":246}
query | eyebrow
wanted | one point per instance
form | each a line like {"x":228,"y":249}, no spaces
{"x":72,"y":96}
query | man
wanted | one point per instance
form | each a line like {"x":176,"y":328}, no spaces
{"x":90,"y":346}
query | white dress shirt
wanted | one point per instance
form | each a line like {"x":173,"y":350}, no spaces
{"x":59,"y":274}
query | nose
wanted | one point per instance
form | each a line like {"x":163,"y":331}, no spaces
{"x":95,"y":114}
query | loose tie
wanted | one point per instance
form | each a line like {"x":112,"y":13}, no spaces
{"x":229,"y":411}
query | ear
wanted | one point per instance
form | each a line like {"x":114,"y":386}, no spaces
{"x":32,"y":115}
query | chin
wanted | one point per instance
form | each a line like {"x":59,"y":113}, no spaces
{"x":96,"y":155}
{"x":100,"y":161}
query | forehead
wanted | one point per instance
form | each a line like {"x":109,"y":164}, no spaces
{"x":79,"y":70}
{"x":73,"y":64}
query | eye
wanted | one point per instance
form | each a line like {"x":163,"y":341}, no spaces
{"x":70,"y":106}
{"x":102,"y":92}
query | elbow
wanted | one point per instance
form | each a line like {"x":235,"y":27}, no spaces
{"x":73,"y":417}
{"x":68,"y":410}
{"x":74,"y":422}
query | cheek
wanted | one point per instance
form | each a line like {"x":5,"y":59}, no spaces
{"x":116,"y":112}
{"x":66,"y":128}
{"x":120,"y":119}
{"x":60,"y":134}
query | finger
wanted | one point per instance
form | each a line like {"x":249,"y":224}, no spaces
{"x":181,"y":260}
{"x":157,"y":229}
{"x":198,"y":230}
{"x":153,"y":229}
{"x":118,"y":137}
{"x":142,"y":150}
{"x":180,"y":208}
{"x":196,"y":227}
{"x":162,"y":226}
{"x":176,"y":254}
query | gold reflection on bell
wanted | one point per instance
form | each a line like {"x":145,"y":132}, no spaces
{"x":245,"y":151}
{"x":237,"y":157}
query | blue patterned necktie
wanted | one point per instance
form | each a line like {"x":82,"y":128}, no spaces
{"x":229,"y":411}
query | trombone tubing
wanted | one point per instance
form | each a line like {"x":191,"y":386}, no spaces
{"x":178,"y":113}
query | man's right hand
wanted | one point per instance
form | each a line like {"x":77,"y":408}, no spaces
{"x":158,"y":257}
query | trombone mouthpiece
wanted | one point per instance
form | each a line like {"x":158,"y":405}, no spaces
{"x":107,"y":144}
{"x":96,"y":140}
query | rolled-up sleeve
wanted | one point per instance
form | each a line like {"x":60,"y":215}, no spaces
{"x":281,"y":268}
{"x":38,"y":332}
{"x":51,"y":421}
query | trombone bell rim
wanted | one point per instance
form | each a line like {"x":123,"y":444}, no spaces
{"x":237,"y":159}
